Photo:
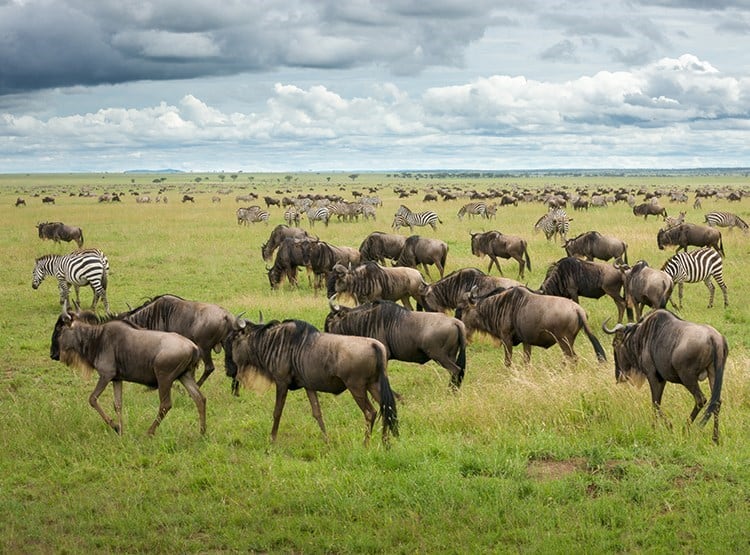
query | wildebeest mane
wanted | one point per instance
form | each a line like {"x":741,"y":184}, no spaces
{"x":364,"y":319}
{"x":152,"y":314}
{"x":571,"y":270}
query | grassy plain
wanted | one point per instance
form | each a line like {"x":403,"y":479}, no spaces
{"x":548,"y":457}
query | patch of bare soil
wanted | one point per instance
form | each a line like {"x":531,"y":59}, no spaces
{"x":554,"y":470}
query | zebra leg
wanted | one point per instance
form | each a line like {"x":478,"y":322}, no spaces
{"x":711,"y":290}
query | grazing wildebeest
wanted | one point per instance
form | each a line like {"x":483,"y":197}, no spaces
{"x":206,"y":324}
{"x":20,"y":202}
{"x":647,"y":209}
{"x":518,"y":315}
{"x":663,"y":348}
{"x":408,"y":336}
{"x":294,"y":355}
{"x":372,"y":282}
{"x":572,"y":277}
{"x":320,"y":258}
{"x":122,"y":352}
{"x":494,"y":244}
{"x":289,"y":257}
{"x":279,"y":233}
{"x":58,"y":231}
{"x":425,"y":251}
{"x":690,"y":234}
{"x":446,"y":293}
{"x":593,"y":244}
{"x":48,"y":200}
{"x":188,"y":198}
{"x":646,"y":286}
{"x":379,"y":246}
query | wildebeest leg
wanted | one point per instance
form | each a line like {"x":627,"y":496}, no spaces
{"x":657,"y":390}
{"x":508,"y":347}
{"x":188,"y":380}
{"x":208,"y":367}
{"x":711,"y":291}
{"x":454,"y":369}
{"x":360,"y":395}
{"x":700,"y":399}
{"x":165,"y":403}
{"x":94,"y":400}
{"x":317,"y":414}
{"x":117,"y":388}
{"x":567,"y":348}
{"x":427,"y":270}
{"x":281,"y":391}
{"x":527,"y":353}
{"x":493,"y":260}
{"x":406,"y":302}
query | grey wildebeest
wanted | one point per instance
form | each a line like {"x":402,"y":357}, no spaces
{"x":372,"y":282}
{"x":408,"y":336}
{"x":646,"y":286}
{"x":446,"y":293}
{"x":295,"y":355}
{"x":289,"y":256}
{"x":279,"y":233}
{"x":58,"y":231}
{"x":695,"y":235}
{"x":518,"y":315}
{"x":572,"y":278}
{"x":494,"y":244}
{"x":206,"y":324}
{"x":593,"y":244}
{"x":647,"y":209}
{"x":425,"y":251}
{"x":320,"y":258}
{"x":379,"y":246}
{"x":122,"y":352}
{"x":663,"y":348}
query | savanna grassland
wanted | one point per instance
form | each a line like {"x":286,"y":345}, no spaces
{"x":550,"y":457}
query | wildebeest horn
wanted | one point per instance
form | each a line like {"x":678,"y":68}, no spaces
{"x":331,"y":302}
{"x":617,"y":327}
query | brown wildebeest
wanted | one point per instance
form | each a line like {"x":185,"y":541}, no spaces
{"x":425,"y":251}
{"x":20,"y":202}
{"x":593,"y":244}
{"x":685,"y":235}
{"x":58,"y":231}
{"x":122,"y":352}
{"x":647,"y":209}
{"x":494,"y":244}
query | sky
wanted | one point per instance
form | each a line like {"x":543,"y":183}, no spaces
{"x":326,"y":85}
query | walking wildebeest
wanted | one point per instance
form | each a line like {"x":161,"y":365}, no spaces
{"x":20,"y":202}
{"x":518,"y":315}
{"x":446,"y":293}
{"x":295,"y":355}
{"x":593,"y":244}
{"x":122,"y":352}
{"x":494,"y":244}
{"x":646,"y":286}
{"x":58,"y":231}
{"x":378,"y":246}
{"x":572,"y":277}
{"x":407,"y":336}
{"x":372,"y":282}
{"x":48,"y":200}
{"x":188,"y":198}
{"x":690,"y":234}
{"x":425,"y":251}
{"x":206,"y":324}
{"x":663,"y":348}
{"x":647,"y":209}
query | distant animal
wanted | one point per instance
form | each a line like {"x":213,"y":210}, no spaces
{"x":20,"y":202}
{"x":405,"y":217}
{"x":473,"y":209}
{"x":646,"y":286}
{"x":725,"y":219}
{"x":320,"y":214}
{"x":673,"y":221}
{"x":206,"y":324}
{"x":425,"y":251}
{"x":292,"y":216}
{"x":446,"y":293}
{"x":554,"y":222}
{"x":593,"y":244}
{"x":188,"y":198}
{"x":293,"y":354}
{"x":408,"y":336}
{"x":48,"y":200}
{"x":379,"y":246}
{"x":58,"y":231}
{"x":694,"y":266}
{"x":663,"y":348}
{"x":80,"y":267}
{"x":685,"y":235}
{"x":371,"y":282}
{"x":122,"y":352}
{"x":647,"y":209}
{"x":495,"y":244}
{"x":518,"y":315}
{"x":270,"y":201}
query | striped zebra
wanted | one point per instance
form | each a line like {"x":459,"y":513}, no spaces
{"x":252,"y":214}
{"x":674,"y":221}
{"x":292,"y":216}
{"x":80,"y":267}
{"x":405,"y":217}
{"x":694,"y":266}
{"x":725,"y":219}
{"x":554,"y":222}
{"x":473,"y":209}
{"x":318,"y":214}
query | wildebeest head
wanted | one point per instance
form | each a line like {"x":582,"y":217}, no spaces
{"x":626,"y":368}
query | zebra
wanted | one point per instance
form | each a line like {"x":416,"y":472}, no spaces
{"x":554,"y":222}
{"x":320,"y":213}
{"x":292,"y":216}
{"x":674,"y":221}
{"x":251,"y":214}
{"x":694,"y":266}
{"x":80,"y":267}
{"x":725,"y":219}
{"x":405,"y":217}
{"x":473,"y":209}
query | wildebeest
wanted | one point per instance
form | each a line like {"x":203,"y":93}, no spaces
{"x":446,"y":293}
{"x":270,"y":201}
{"x":320,"y":258}
{"x":593,"y":244}
{"x":279,"y":233}
{"x":518,"y":315}
{"x":122,"y":352}
{"x":425,"y":251}
{"x":48,"y":200}
{"x":379,"y":246}
{"x":206,"y":324}
{"x":294,"y":355}
{"x":289,"y":256}
{"x":408,"y":336}
{"x":371,"y":282}
{"x":58,"y":231}
{"x":663,"y":348}
{"x":646,"y":286}
{"x":572,"y":277}
{"x":494,"y":244}
{"x":20,"y":202}
{"x":690,"y":234}
{"x":647,"y":209}
{"x":188,"y":198}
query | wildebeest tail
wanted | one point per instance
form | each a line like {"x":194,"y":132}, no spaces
{"x":526,"y":256}
{"x":721,"y":350}
{"x":387,"y":398}
{"x":598,"y":349}
{"x":461,"y":359}
{"x":625,"y":254}
{"x":80,"y":238}
{"x":721,"y":245}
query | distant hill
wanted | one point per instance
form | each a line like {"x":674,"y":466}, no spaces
{"x":154,"y":171}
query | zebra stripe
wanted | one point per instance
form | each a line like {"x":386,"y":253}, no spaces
{"x":405,"y":217}
{"x":473,"y":209}
{"x":318,"y":214}
{"x":674,"y":221}
{"x":725,"y":219}
{"x":554,"y":222}
{"x":694,"y":266}
{"x":80,"y":267}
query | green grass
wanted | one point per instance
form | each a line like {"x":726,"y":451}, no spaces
{"x":550,"y":457}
